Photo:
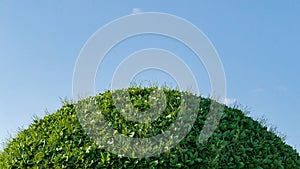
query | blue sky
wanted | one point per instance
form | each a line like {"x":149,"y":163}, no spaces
{"x":258,"y":43}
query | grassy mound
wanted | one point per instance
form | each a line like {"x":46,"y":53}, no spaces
{"x":59,"y":141}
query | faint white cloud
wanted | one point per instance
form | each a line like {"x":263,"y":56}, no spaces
{"x":229,"y":101}
{"x":136,"y":10}
{"x":281,"y":88}
{"x":258,"y":90}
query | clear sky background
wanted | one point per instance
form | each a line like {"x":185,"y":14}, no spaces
{"x":258,"y":43}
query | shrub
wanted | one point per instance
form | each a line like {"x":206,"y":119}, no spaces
{"x":59,"y":141}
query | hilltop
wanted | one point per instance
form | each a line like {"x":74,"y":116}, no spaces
{"x":59,"y":141}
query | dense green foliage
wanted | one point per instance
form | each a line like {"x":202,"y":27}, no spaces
{"x":59,"y":141}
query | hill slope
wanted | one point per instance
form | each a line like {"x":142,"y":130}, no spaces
{"x":59,"y":141}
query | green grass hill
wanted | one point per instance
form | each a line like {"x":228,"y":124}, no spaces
{"x":59,"y":141}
